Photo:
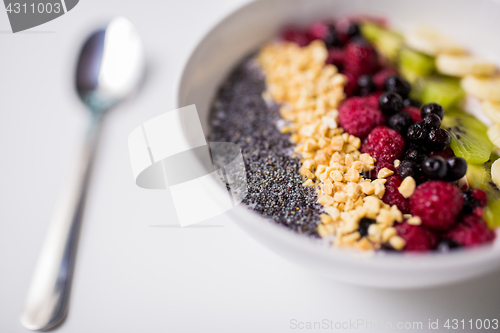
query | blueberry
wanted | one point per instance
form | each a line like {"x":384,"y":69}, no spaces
{"x":400,"y":122}
{"x":417,"y":132}
{"x":438,"y":139}
{"x":390,"y":103}
{"x":447,"y":244}
{"x":457,"y":168}
{"x":435,"y":167}
{"x":411,"y":102}
{"x":432,"y":108}
{"x":397,"y":85}
{"x":415,"y":155}
{"x":331,"y":39}
{"x":364,"y":224}
{"x":469,"y":202}
{"x":360,"y":41}
{"x":353,"y":30}
{"x":365,"y":85}
{"x":408,"y":168}
{"x":432,"y":120}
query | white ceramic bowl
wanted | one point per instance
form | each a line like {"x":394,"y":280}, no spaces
{"x":473,"y":23}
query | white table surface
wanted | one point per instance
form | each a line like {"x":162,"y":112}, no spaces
{"x":130,"y":275}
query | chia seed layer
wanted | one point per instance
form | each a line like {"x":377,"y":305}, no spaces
{"x":240,"y":115}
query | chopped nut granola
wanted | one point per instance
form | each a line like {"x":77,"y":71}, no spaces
{"x":407,"y":187}
{"x":397,"y":242}
{"x":385,"y":173}
{"x":415,"y":220}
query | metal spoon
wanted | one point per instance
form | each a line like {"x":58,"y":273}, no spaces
{"x":110,"y":68}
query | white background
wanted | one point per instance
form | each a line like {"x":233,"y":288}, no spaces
{"x":132,"y":275}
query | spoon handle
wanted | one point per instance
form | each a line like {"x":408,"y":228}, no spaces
{"x":47,"y":299}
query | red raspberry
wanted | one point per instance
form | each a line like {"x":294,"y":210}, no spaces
{"x":360,"y":59}
{"x":478,"y":211}
{"x":372,"y":99}
{"x":417,"y":238}
{"x":336,"y":57}
{"x":317,"y":30}
{"x":481,"y":197}
{"x":471,"y":231}
{"x":384,"y":144}
{"x":358,"y":117}
{"x":415,"y":114}
{"x":381,"y":76}
{"x":437,"y":203}
{"x":295,"y":35}
{"x":352,"y":84}
{"x":393,"y":197}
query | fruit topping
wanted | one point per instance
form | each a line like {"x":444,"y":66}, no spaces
{"x":457,"y":168}
{"x":331,"y":37}
{"x":364,"y":224}
{"x":461,"y":65}
{"x":384,"y":144}
{"x":388,"y":43}
{"x":492,"y":110}
{"x":414,"y":112}
{"x":471,"y":231}
{"x":416,"y":63}
{"x":495,"y":173}
{"x":358,"y":116}
{"x":392,"y":195}
{"x":366,"y":85}
{"x":390,"y":103}
{"x":487,"y":88}
{"x":480,"y":177}
{"x":295,"y":35}
{"x":415,"y":155}
{"x":494,"y":134}
{"x":408,"y":168}
{"x":412,"y":103}
{"x":360,"y":59}
{"x":318,"y":30}
{"x":352,"y":84}
{"x":438,"y":139}
{"x":417,"y":238}
{"x":353,"y":30}
{"x":432,"y":108}
{"x":444,"y":91}
{"x":336,"y":57}
{"x":435,"y":168}
{"x":400,"y":122}
{"x":418,"y":133}
{"x":398,"y":85}
{"x":381,"y":76}
{"x":469,"y":139}
{"x":437,"y":203}
{"x":431,"y":42}
{"x":432,"y":120}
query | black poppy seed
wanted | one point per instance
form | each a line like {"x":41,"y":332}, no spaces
{"x":240,"y":115}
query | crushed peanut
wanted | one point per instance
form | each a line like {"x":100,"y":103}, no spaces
{"x":385,"y":173}
{"x":407,"y":187}
{"x":414,"y":220}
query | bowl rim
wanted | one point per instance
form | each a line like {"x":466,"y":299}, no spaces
{"x":486,"y":257}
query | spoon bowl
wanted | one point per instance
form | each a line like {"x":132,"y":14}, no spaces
{"x":111,"y":65}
